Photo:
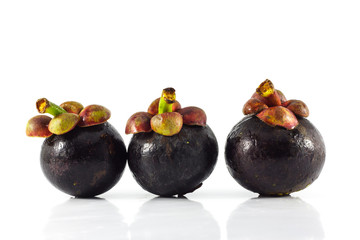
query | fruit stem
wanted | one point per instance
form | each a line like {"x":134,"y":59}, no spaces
{"x":166,"y":101}
{"x":45,"y":106}
{"x":267,"y":91}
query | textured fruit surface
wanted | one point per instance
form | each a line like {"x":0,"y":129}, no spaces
{"x":272,"y":160}
{"x":84,"y":162}
{"x":173,"y":165}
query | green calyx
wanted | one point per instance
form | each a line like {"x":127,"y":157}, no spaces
{"x":66,"y":117}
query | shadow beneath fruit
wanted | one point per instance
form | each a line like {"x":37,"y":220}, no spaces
{"x":93,"y":218}
{"x":275,"y":218}
{"x":173,"y":218}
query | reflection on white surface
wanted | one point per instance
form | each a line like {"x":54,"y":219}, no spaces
{"x":275,"y":218}
{"x":86,"y":219}
{"x":173,"y":218}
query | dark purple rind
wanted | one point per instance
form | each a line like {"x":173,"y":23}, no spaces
{"x":173,"y":165}
{"x":272,"y":160}
{"x":84,"y":162}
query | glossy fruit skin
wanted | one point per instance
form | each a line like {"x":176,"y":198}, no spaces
{"x":86,"y":161}
{"x":272,"y":160}
{"x":174,"y":165}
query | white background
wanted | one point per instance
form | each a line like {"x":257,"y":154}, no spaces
{"x":214,"y":53}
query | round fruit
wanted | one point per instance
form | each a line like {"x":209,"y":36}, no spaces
{"x":172,"y":150}
{"x":272,"y":160}
{"x":173,"y":165}
{"x":86,"y":161}
{"x":274,"y":151}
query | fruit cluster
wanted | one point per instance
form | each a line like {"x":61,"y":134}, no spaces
{"x":273,"y":151}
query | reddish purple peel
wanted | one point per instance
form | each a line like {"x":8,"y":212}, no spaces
{"x":154,"y":106}
{"x":63,"y":123}
{"x":278,"y":116}
{"x":93,"y":115}
{"x":38,"y":126}
{"x":193,"y":116}
{"x":138,"y":122}
{"x":72,"y":107}
{"x":298,"y":107}
{"x":253,"y":106}
{"x":167,"y":124}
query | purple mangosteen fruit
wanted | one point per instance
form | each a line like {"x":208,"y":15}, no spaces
{"x":172,"y":150}
{"x":274,"y":151}
{"x":83,"y":155}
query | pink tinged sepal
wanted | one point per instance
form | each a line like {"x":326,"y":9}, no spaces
{"x":138,"y":122}
{"x":271,"y":101}
{"x":278,"y":116}
{"x":281,"y":95}
{"x":38,"y":126}
{"x":253,"y":106}
{"x":298,"y":107}
{"x":72,"y":107}
{"x":167,"y":124}
{"x":93,"y":115}
{"x":63,"y":123}
{"x":193,"y":116}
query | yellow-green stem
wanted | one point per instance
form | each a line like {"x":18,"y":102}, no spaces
{"x":164,"y":106}
{"x":45,"y":106}
{"x":166,"y":101}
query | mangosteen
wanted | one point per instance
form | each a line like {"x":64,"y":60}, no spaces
{"x":83,"y":155}
{"x":172,"y":150}
{"x":274,"y":151}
